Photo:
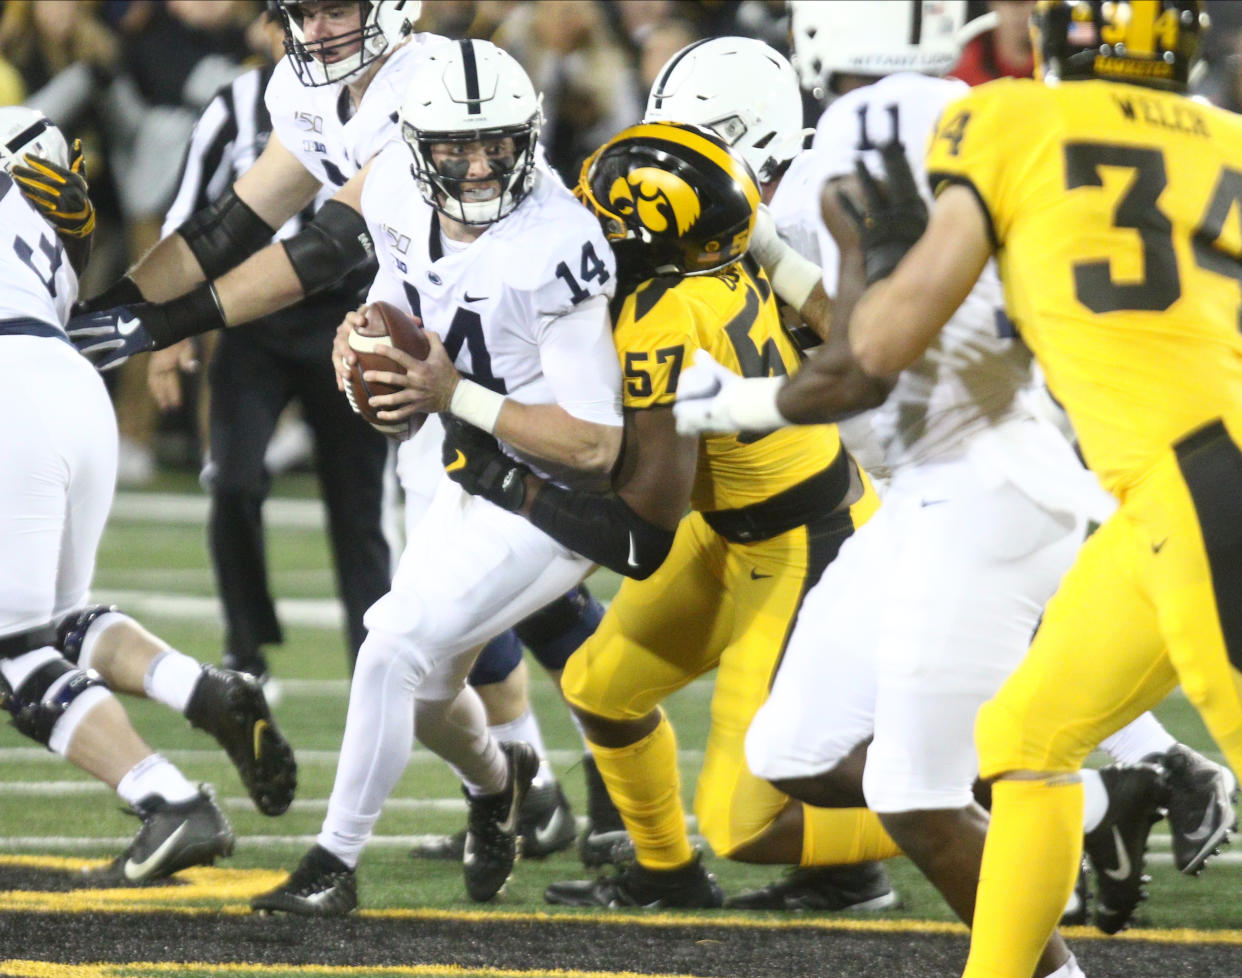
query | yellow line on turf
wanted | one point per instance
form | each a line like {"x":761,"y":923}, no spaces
{"x":46,"y":969}
{"x":197,"y":892}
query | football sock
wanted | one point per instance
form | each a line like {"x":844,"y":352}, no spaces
{"x":526,"y":728}
{"x":1137,"y":739}
{"x":1030,"y":865}
{"x":645,"y":785}
{"x":1094,"y":799}
{"x":171,"y":678}
{"x":838,"y":836}
{"x":154,"y":775}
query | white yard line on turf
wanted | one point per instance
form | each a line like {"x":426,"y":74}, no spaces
{"x":164,"y":507}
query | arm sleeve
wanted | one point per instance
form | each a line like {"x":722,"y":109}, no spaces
{"x":580,"y":362}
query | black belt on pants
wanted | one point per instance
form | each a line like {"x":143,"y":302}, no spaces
{"x":809,"y":500}
{"x":31,"y":327}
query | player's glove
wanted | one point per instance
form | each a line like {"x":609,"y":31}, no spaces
{"x":713,"y":400}
{"x":60,"y":195}
{"x":893,"y":216}
{"x":473,"y":459}
{"x":110,"y":337}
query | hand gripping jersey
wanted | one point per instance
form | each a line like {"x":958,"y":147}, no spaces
{"x":970,"y":377}
{"x":495,"y":302}
{"x":37,"y":280}
{"x":733,"y":316}
{"x":316,"y":124}
{"x":1134,"y":317}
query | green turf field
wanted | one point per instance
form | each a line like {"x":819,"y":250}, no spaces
{"x":150,"y":557}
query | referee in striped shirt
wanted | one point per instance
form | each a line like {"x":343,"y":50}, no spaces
{"x":254,"y":373}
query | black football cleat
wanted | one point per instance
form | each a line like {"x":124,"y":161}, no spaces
{"x":231,"y":707}
{"x":491,"y":846}
{"x":605,"y":841}
{"x":1117,"y":847}
{"x":1078,"y":908}
{"x":864,"y":886}
{"x":633,"y":885}
{"x":1201,"y":813}
{"x":545,"y":825}
{"x":174,"y":837}
{"x":546,"y":822}
{"x":321,"y":886}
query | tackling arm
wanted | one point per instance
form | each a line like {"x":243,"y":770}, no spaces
{"x":898,"y":317}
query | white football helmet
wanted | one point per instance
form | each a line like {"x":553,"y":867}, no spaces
{"x":382,"y":24}
{"x":466,"y":92}
{"x":742,"y":90}
{"x":874,"y":37}
{"x":23,"y":131}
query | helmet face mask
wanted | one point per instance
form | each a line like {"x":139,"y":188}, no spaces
{"x":672,"y":198}
{"x":376,"y":28}
{"x":1153,"y":43}
{"x":472,"y":101}
{"x":743,"y":90}
{"x":25,"y":132}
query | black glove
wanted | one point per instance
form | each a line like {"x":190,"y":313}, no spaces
{"x":473,"y":459}
{"x":893,"y":217}
{"x":122,"y":292}
{"x":60,"y":195}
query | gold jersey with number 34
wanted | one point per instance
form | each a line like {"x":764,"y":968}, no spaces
{"x":1134,"y":314}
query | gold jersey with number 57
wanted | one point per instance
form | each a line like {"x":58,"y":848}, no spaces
{"x":1118,"y":230}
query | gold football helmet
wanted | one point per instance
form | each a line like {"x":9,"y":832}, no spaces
{"x":676,"y":193}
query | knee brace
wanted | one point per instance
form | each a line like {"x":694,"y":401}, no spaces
{"x":46,"y":695}
{"x":498,"y":659}
{"x":71,"y":632}
{"x":13,"y":646}
{"x":554,"y":632}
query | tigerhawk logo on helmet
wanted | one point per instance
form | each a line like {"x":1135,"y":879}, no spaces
{"x":676,"y":192}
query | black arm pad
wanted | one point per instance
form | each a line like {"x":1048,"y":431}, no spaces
{"x":331,"y":246}
{"x":602,"y":528}
{"x":224,"y":234}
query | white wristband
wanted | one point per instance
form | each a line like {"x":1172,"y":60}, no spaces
{"x":794,"y":278}
{"x":752,"y":404}
{"x":476,"y":404}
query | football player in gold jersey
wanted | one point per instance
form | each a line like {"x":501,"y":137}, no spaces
{"x":718,"y":588}
{"x":1108,"y":198}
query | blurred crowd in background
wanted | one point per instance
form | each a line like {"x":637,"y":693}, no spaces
{"x":130,"y":77}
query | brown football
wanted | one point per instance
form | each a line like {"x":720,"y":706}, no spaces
{"x":388,"y":325}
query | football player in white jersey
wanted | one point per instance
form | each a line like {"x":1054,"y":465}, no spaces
{"x":59,"y":656}
{"x":333,"y":102}
{"x":931,"y":606}
{"x":512,"y":277}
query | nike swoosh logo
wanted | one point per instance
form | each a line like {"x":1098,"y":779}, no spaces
{"x":136,"y":871}
{"x":546,"y":834}
{"x":259,"y":727}
{"x":1123,"y":859}
{"x":756,"y":576}
{"x":932,"y":502}
{"x":458,"y":463}
{"x":473,"y":298}
{"x":633,"y":552}
{"x":1157,"y":547}
{"x":1220,"y":802}
{"x":509,"y":825}
{"x":127,"y":326}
